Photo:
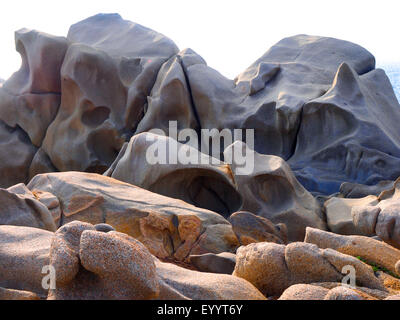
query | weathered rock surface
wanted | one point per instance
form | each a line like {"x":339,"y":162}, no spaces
{"x":31,"y":97}
{"x":343,"y":293}
{"x":202,"y":181}
{"x":382,"y":218}
{"x":206,"y":286}
{"x":352,"y":128}
{"x":395,"y":297}
{"x":250,"y":228}
{"x":214,"y":263}
{"x":271,"y":191}
{"x":356,"y":190}
{"x":272,"y":268}
{"x":366,"y":293}
{"x":167,"y":227}
{"x":20,"y":207}
{"x":369,"y":249}
{"x":120,"y":60}
{"x":305,"y":88}
{"x":315,"y":292}
{"x":97,"y":265}
{"x":16,"y":155}
{"x":24,"y":251}
{"x":269,"y":95}
{"x":304,"y":292}
{"x":29,"y":102}
{"x":170,"y":98}
{"x":11,"y":294}
{"x":324,"y":120}
{"x":339,"y":214}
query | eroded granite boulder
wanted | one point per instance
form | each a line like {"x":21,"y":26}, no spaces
{"x":269,"y":189}
{"x":162,"y":165}
{"x":24,"y":251}
{"x":167,"y":227}
{"x":108,"y":71}
{"x":273,"y":268}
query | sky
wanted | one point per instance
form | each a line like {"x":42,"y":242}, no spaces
{"x":229,"y":35}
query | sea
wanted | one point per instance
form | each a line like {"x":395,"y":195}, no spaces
{"x":393,"y":72}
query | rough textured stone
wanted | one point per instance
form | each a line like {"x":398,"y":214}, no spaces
{"x":368,"y":249}
{"x":206,"y":286}
{"x":250,"y":228}
{"x":272,"y":268}
{"x":115,"y":266}
{"x":263,"y":264}
{"x":271,"y":190}
{"x":343,"y":293}
{"x":304,"y":292}
{"x":24,"y":251}
{"x":168,"y":227}
{"x":366,"y":293}
{"x":96,"y":265}
{"x":214,"y":263}
{"x":204,"y":182}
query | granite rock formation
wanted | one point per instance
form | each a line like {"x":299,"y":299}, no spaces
{"x":303,"y":185}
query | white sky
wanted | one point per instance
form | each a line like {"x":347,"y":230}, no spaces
{"x":229,"y":34}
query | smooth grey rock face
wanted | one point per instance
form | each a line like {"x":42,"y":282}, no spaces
{"x":33,"y":92}
{"x":272,"y":191}
{"x":170,"y":98}
{"x":355,"y":190}
{"x":352,"y":126}
{"x":269,"y":95}
{"x":108,"y":71}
